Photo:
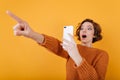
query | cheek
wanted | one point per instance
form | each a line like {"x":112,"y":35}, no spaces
{"x":80,"y":34}
{"x":92,"y":34}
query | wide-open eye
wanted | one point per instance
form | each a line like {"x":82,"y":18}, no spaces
{"x":90,"y":27}
{"x":81,"y":28}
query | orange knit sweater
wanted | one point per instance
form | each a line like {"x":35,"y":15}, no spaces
{"x":93,"y":66}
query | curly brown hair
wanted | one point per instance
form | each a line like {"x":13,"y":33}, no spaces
{"x":97,"y":30}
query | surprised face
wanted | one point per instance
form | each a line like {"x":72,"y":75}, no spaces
{"x":87,"y":33}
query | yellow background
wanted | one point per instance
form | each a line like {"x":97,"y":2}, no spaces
{"x":24,"y":59}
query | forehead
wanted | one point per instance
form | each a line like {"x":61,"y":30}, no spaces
{"x":87,"y":24}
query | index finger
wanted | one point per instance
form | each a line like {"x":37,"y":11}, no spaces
{"x":14,"y":17}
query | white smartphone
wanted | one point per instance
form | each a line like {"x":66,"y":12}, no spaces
{"x":67,"y":30}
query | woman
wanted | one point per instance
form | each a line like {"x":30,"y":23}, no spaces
{"x":83,"y":61}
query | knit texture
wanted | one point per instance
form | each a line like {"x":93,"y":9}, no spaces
{"x":93,"y":66}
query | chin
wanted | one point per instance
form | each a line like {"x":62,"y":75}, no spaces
{"x":84,"y":42}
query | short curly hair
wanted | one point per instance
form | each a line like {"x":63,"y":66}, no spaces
{"x":97,"y":30}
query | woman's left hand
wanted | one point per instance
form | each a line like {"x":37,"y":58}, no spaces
{"x":71,"y":48}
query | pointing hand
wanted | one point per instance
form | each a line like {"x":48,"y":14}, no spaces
{"x":21,"y":28}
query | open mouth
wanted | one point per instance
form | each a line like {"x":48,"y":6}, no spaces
{"x":84,"y":36}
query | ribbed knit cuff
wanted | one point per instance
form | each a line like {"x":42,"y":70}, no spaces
{"x":83,"y":66}
{"x":47,"y":41}
{"x":86,"y":71}
{"x":50,"y":43}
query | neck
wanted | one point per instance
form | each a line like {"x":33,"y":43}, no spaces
{"x":87,"y":44}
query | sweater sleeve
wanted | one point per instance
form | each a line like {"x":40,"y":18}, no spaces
{"x":54,"y":46}
{"x":97,"y":72}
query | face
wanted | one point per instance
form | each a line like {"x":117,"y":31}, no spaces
{"x":87,"y":33}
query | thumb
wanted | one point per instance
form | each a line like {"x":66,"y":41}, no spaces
{"x":19,"y":33}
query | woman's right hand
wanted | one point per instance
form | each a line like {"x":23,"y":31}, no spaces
{"x":21,"y":28}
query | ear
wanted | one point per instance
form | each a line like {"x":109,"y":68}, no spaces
{"x":94,"y":36}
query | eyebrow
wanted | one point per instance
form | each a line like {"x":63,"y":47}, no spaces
{"x":87,"y":26}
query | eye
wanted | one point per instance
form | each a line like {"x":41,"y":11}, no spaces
{"x":81,"y":28}
{"x":89,"y":28}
